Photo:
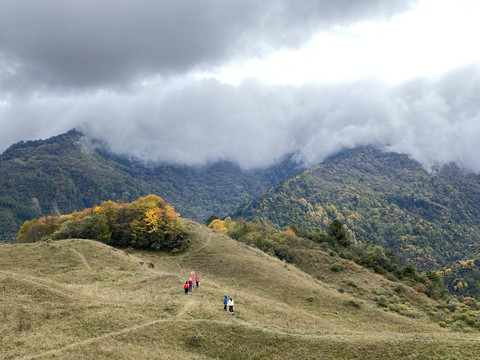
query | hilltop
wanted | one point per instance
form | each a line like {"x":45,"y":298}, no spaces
{"x":428,"y":218}
{"x":80,"y":298}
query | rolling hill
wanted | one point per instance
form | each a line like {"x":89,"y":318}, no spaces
{"x":430,"y":219}
{"x":75,"y":299}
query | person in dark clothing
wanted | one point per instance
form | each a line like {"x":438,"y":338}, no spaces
{"x":225,"y":299}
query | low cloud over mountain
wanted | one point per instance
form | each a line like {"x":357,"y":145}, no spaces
{"x":133,"y":75}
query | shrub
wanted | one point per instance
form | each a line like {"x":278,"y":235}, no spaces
{"x":352,"y":283}
{"x":420,"y":288}
{"x":354,"y":302}
{"x":382,"y":301}
{"x":283,"y":252}
{"x":460,"y":326}
{"x":194,"y":340}
{"x":336,"y":267}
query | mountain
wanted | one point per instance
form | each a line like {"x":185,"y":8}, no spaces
{"x":430,"y":219}
{"x":73,"y":299}
{"x":68,"y":173}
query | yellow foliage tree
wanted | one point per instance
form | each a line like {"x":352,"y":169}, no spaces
{"x":218,"y":225}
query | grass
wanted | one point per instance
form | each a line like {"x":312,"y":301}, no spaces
{"x":82,"y":299}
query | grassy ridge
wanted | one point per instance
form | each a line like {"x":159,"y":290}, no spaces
{"x":79,"y":298}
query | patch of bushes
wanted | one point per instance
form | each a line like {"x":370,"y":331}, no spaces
{"x":460,"y":326}
{"x":148,"y":223}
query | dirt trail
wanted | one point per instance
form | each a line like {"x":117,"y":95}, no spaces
{"x":82,"y":257}
{"x":91,"y":340}
{"x":233,"y":321}
{"x":51,"y":285}
{"x":185,"y":308}
{"x":205,"y":241}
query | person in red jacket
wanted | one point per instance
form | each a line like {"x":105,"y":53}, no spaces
{"x":185,"y":286}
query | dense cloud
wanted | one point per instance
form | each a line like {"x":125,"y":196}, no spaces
{"x":93,"y":43}
{"x":254,"y":125}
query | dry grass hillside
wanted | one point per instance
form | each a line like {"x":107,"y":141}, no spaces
{"x":78,"y":299}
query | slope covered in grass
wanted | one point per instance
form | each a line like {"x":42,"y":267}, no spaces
{"x":75,"y":299}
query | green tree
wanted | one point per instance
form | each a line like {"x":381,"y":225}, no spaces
{"x":210,"y":219}
{"x":337,"y":232}
{"x":410,"y":271}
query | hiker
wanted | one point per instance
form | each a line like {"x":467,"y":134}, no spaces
{"x":190,"y":284}
{"x":230,"y":305}
{"x":197,"y":280}
{"x":225,"y":298}
{"x":186,"y":287}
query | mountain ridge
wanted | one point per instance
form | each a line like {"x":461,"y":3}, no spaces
{"x":430,"y":218}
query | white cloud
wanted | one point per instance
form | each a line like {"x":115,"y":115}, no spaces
{"x":433,"y":38}
{"x":256,"y":124}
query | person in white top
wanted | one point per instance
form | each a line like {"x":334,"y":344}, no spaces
{"x":230,"y":305}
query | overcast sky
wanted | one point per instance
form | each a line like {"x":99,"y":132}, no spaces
{"x":193,"y":81}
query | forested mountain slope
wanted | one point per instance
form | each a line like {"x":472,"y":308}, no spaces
{"x":58,"y":176}
{"x":68,"y":173}
{"x":428,"y":218}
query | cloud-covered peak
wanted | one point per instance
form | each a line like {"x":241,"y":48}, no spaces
{"x":254,"y":124}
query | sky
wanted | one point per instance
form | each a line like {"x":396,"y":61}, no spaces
{"x":196,"y":81}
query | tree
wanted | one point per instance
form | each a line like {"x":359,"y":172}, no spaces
{"x":337,"y":232}
{"x":410,"y":271}
{"x":210,"y":219}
